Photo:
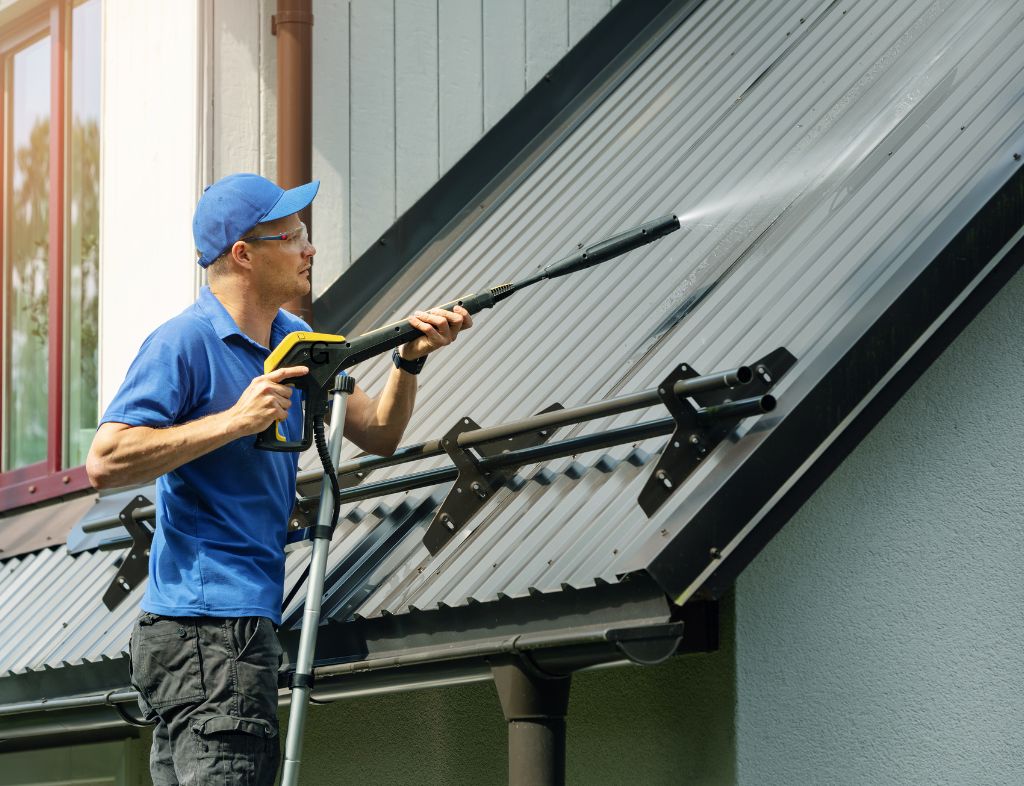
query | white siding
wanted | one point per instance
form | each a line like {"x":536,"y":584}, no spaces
{"x":403,"y":88}
{"x":372,"y":102}
{"x":150,"y":170}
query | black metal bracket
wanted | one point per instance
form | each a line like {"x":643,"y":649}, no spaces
{"x":474,"y":487}
{"x":698,"y":432}
{"x":303,"y":514}
{"x":135,"y":565}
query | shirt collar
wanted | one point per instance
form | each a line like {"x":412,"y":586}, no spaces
{"x":224,"y":324}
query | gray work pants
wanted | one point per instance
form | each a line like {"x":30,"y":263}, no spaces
{"x":211,"y":686}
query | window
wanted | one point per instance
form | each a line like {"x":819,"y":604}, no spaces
{"x":49,"y":239}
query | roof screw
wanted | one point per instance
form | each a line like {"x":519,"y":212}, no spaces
{"x":478,"y":489}
{"x":664,"y":478}
{"x":715,"y":553}
{"x":31,"y":489}
{"x":66,"y":479}
{"x":1016,"y":156}
{"x":448,"y":523}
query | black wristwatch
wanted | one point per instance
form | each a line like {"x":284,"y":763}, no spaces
{"x":410,"y":366}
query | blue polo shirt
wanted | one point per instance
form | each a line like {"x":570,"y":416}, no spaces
{"x":222,"y":518}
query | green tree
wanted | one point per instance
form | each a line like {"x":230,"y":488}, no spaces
{"x":28,"y":256}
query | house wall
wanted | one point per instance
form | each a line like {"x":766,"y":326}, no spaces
{"x":879,"y":636}
{"x":150,"y":165}
{"x":401,"y":90}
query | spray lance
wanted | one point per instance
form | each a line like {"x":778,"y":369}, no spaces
{"x":327,"y":356}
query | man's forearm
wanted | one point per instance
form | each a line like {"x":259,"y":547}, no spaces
{"x":139,"y":454}
{"x":387,"y":416}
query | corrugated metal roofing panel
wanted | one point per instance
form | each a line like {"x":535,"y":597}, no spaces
{"x":811,"y":147}
{"x":53,"y":603}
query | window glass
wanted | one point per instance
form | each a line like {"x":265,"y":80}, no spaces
{"x":26,"y":201}
{"x":82,"y":272}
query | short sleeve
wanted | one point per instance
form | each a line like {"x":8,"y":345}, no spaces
{"x":157,"y":388}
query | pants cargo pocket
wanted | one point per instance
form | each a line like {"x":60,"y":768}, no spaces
{"x":257,"y":663}
{"x":236,"y":750}
{"x":165,"y":661}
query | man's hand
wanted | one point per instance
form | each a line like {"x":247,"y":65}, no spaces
{"x":266,"y":400}
{"x":439,"y":327}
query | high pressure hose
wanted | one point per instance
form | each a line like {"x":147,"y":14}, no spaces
{"x":329,"y":472}
{"x":325,"y":459}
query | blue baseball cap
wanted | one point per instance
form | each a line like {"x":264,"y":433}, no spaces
{"x":235,"y":204}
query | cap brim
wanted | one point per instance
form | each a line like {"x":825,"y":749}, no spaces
{"x":292,"y":201}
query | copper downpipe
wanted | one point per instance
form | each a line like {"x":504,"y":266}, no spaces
{"x":293,"y":26}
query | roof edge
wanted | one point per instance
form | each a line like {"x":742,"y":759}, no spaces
{"x":978,"y":261}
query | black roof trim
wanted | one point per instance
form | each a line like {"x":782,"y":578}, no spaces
{"x":69,"y":680}
{"x":959,"y":267}
{"x":636,"y":597}
{"x":463,"y":195}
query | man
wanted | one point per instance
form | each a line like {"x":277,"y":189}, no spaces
{"x":204,"y":652}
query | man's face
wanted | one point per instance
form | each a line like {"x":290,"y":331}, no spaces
{"x":282,"y":268}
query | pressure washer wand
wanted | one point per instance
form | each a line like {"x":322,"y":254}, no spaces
{"x":326,"y":356}
{"x":601,"y":252}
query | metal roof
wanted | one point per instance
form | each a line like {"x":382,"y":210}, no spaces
{"x":821,"y":154}
{"x":55,"y":603}
{"x":812,"y":148}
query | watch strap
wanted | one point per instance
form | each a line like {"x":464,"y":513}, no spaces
{"x":410,"y":366}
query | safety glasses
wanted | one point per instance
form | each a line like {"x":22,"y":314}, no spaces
{"x":298,"y":235}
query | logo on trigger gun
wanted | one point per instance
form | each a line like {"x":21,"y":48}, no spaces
{"x":318,"y":353}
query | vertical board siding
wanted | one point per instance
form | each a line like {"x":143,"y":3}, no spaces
{"x":330,"y":139}
{"x":416,"y":100}
{"x":504,"y":26}
{"x":583,"y":15}
{"x":547,"y":36}
{"x":268,"y":92}
{"x":236,"y":138}
{"x":372,"y":90}
{"x":402,"y":89}
{"x":460,"y":77}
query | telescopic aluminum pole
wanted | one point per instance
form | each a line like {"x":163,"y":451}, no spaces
{"x":302,"y":682}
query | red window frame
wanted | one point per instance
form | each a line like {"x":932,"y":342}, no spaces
{"x":46,"y":479}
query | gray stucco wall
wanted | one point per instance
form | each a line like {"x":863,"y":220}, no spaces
{"x":879,"y":636}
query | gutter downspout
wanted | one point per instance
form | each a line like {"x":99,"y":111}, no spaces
{"x":293,"y":27}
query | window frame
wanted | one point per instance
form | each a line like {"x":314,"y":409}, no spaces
{"x":46,"y":479}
